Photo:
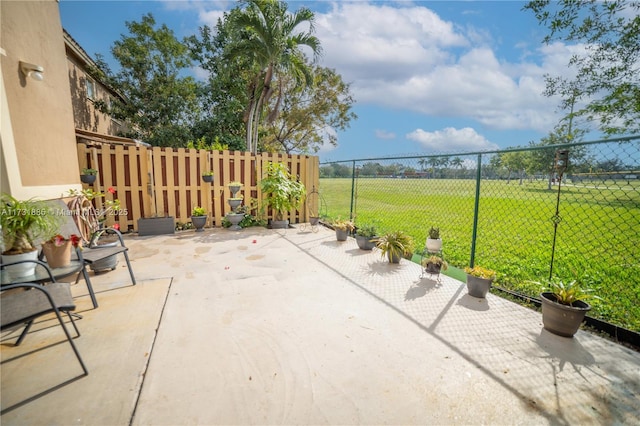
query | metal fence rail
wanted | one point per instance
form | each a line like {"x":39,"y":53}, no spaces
{"x":522,"y":212}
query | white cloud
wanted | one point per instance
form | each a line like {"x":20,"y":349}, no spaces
{"x":408,"y":58}
{"x":451,"y":140}
{"x":210,"y":17}
{"x":200,"y":73}
{"x":383,"y":134}
{"x":404,"y":56}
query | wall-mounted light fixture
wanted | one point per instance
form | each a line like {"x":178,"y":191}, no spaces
{"x":32,"y":70}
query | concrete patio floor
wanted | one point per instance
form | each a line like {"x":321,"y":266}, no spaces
{"x":292,"y":327}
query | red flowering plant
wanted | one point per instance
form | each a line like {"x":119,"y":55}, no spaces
{"x":58,"y":240}
{"x":90,"y":220}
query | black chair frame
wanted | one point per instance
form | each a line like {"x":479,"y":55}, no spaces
{"x":30,"y":315}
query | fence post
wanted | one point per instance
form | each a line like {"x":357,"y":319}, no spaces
{"x":476,"y":209}
{"x":353,"y":187}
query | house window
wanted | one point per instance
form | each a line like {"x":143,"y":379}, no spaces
{"x":91,"y":89}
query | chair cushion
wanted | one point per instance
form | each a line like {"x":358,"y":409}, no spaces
{"x":18,"y":306}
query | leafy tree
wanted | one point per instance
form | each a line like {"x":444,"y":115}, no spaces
{"x":270,"y":37}
{"x":543,"y":160}
{"x":608,"y":75}
{"x":224,"y":95}
{"x":371,"y":169}
{"x":494,"y":167}
{"x":160,"y":105}
{"x":309,"y":115}
{"x":335,"y":170}
{"x":514,"y":162}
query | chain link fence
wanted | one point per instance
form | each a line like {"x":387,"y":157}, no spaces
{"x":528,"y":213}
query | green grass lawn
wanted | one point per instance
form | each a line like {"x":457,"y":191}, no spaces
{"x":597,"y":238}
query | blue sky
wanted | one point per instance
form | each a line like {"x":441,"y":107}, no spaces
{"x":428,"y":77}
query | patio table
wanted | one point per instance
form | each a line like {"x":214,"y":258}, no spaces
{"x":42,"y":274}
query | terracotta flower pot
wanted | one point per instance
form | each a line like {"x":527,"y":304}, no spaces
{"x":57,"y":256}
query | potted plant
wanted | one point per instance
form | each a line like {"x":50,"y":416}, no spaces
{"x":564,"y":306}
{"x":57,"y":249}
{"x":365,"y":236}
{"x":199,"y":218}
{"x":91,"y":223}
{"x":234,"y":203}
{"x":208,"y":176}
{"x":234,"y":187}
{"x":479,"y":280}
{"x":343,"y":228}
{"x":24,"y":222}
{"x":88,"y":175}
{"x":395,"y":245}
{"x":434,"y":243}
{"x":434,"y":264}
{"x":283,"y":192}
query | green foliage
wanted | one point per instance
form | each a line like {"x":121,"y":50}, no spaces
{"x":201,"y":143}
{"x":224,"y":95}
{"x":434,"y":233}
{"x":343,"y":224}
{"x":270,"y":36}
{"x":247,"y":221}
{"x":198,"y":211}
{"x":366,"y":230}
{"x":395,"y":244}
{"x":598,"y":232}
{"x":283,"y":192}
{"x":481,"y":272}
{"x":435,"y":260}
{"x":159,"y":105}
{"x":89,"y":171}
{"x":306,"y":113}
{"x":208,"y":173}
{"x":606,"y":76}
{"x":567,"y":293}
{"x":23,"y":222}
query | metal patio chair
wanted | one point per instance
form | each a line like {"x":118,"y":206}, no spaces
{"x":89,"y":256}
{"x":23,"y":303}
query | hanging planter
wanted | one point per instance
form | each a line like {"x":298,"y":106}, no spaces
{"x":88,"y":176}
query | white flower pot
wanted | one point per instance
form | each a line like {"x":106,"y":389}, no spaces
{"x":434,"y":246}
{"x":23,"y":269}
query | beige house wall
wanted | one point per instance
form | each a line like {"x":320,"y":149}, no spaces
{"x":86,"y":115}
{"x":38,"y":156}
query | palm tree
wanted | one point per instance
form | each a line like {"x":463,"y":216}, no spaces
{"x":269,"y":36}
{"x":433,"y":162}
{"x":456,"y":162}
{"x":444,"y":162}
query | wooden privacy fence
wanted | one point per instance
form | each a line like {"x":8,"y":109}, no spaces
{"x":161,"y":182}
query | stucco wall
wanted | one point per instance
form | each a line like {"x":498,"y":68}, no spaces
{"x":39,"y":156}
{"x":86,"y":115}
